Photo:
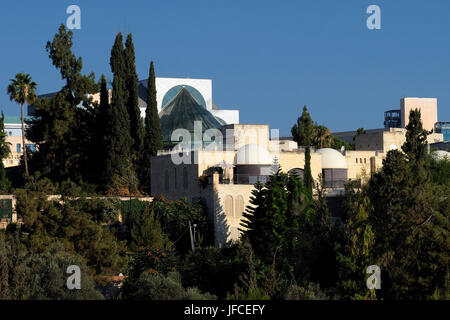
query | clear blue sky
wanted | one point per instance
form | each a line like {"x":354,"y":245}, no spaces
{"x":266,"y":58}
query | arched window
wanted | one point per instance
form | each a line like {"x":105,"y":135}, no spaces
{"x":185,"y":178}
{"x":229,"y":206}
{"x":166,"y":180}
{"x":239,"y":206}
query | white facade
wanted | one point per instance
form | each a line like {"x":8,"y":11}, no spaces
{"x":165,"y":88}
{"x":204,"y":86}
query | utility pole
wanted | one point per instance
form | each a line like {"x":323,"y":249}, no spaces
{"x":192,"y":238}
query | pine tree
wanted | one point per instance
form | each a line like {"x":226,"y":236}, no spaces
{"x":153,"y":135}
{"x":271,"y":223}
{"x":132,"y":102}
{"x":62,"y":130}
{"x":118,"y":139}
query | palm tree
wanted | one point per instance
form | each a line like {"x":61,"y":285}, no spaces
{"x":22,"y":90}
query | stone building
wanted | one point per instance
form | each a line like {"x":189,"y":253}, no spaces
{"x":222,"y":173}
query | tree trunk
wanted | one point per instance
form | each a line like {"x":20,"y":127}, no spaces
{"x":25,"y":160}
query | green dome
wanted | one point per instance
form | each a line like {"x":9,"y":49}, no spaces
{"x":181,"y":112}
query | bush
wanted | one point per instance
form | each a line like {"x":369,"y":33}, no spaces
{"x":159,"y":287}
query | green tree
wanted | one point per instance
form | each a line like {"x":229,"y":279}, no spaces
{"x":22,"y":90}
{"x":146,"y":231}
{"x":42,"y":276}
{"x":271,"y":222}
{"x":46,"y":222}
{"x":61,"y":128}
{"x":153,"y":136}
{"x":118,"y":139}
{"x":134,"y":113}
{"x":5,"y":184}
{"x":302,"y":133}
{"x":161,"y":287}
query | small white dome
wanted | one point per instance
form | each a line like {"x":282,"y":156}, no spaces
{"x":332,"y":159}
{"x":440,"y":155}
{"x":253,"y":154}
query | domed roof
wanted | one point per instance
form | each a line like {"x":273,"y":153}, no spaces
{"x":440,"y":155}
{"x":332,"y":159}
{"x":253,"y":154}
{"x":181,"y":112}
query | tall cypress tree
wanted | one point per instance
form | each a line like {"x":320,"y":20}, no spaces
{"x":118,"y":140}
{"x":101,"y":121}
{"x":302,"y":133}
{"x":136,"y":126}
{"x":416,"y":138}
{"x":153,"y":136}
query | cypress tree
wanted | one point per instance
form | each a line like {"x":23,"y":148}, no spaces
{"x":102,"y":118}
{"x":302,"y":133}
{"x":416,"y":138}
{"x":118,"y":140}
{"x":153,"y":135}
{"x":136,"y":126}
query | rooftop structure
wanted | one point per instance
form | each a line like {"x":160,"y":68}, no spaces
{"x":181,"y":112}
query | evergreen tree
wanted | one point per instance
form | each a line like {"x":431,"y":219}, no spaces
{"x":132,"y":102}
{"x":416,"y":138}
{"x":398,"y":221}
{"x":118,"y":139}
{"x":271,"y":222}
{"x":302,"y":133}
{"x":153,"y":135}
{"x":62,"y":130}
{"x":102,"y":120}
{"x":5,"y":184}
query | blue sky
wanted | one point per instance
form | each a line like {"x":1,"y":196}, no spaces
{"x":266,"y":58}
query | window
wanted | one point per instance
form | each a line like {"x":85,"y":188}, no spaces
{"x":356,"y":160}
{"x":239,"y":206}
{"x":229,"y":206}
{"x":364,"y":160}
{"x":18,"y":147}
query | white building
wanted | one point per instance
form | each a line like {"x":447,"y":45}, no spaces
{"x":200,"y":89}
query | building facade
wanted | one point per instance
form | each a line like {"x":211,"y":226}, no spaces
{"x":223,"y":175}
{"x":13,"y":130}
